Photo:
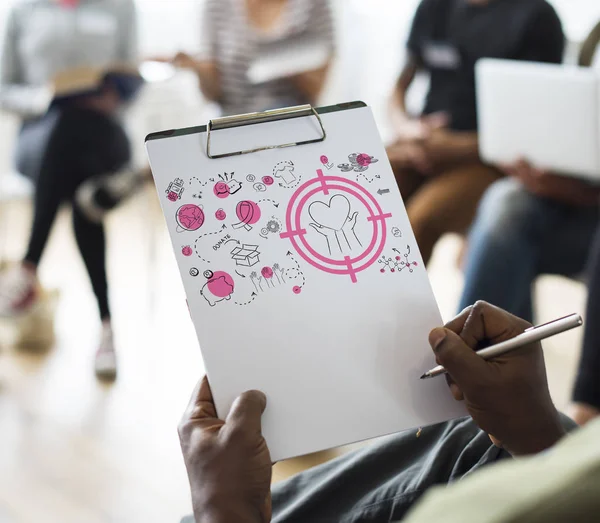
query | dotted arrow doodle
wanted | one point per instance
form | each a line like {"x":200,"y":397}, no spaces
{"x":204,"y":236}
{"x":248,"y":302}
{"x":369,"y":180}
{"x":202,"y":184}
{"x":299,"y":274}
{"x":268,"y":200}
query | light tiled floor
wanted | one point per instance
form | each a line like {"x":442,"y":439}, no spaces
{"x":74,"y":450}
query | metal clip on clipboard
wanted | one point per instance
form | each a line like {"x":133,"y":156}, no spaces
{"x":275,"y":115}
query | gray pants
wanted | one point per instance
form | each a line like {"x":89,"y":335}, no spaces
{"x":380,"y":483}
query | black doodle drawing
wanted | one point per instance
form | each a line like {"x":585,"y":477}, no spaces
{"x":357,"y":163}
{"x":367,"y":178}
{"x":397,"y":263}
{"x":195,"y":179}
{"x":296,"y":274}
{"x":198,"y":196}
{"x":396,"y":232}
{"x":273,"y":226}
{"x":336,"y":223}
{"x":381,"y":192}
{"x":251,"y":178}
{"x":252,"y":298}
{"x":260,"y":187}
{"x":223,"y":227}
{"x":246,"y":255}
{"x":275,"y":204}
{"x":284,"y":172}
{"x":240,"y":274}
{"x":232,"y":184}
{"x":194,"y":272}
{"x":175,"y":190}
{"x":269,"y":278}
{"x":218,"y":288}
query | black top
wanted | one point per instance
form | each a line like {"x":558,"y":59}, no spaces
{"x":449,"y":36}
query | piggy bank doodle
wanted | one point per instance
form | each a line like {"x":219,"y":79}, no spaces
{"x":218,"y":288}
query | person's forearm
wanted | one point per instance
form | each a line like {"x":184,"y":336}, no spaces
{"x":311,"y":83}
{"x":466,"y":147}
{"x":210,"y":80}
{"x":226,"y":513}
{"x":26,"y":101}
{"x":572,"y":192}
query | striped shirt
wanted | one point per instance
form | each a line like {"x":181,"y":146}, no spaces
{"x":43,"y":38}
{"x":229,"y":40}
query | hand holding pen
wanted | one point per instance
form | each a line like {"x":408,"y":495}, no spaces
{"x":508,"y":396}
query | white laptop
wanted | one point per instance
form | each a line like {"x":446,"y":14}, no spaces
{"x":548,"y":114}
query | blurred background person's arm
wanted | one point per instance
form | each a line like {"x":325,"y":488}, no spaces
{"x":311,"y":83}
{"x":15,"y":94}
{"x":205,"y":64}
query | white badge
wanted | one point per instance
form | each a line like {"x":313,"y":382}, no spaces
{"x":441,"y":55}
{"x":97,"y":23}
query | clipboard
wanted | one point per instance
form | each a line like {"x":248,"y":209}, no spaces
{"x":302,"y":274}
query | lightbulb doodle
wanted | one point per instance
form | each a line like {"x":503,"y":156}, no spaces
{"x":334,"y":218}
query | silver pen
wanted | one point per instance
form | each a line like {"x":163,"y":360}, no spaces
{"x":531,"y":335}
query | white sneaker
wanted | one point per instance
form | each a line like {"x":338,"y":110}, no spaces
{"x":19,"y":292}
{"x":105,"y":364}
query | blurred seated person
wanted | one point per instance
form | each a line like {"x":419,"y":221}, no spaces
{"x":76,"y":150}
{"x":238,"y":33}
{"x":460,"y":471}
{"x":586,"y":395}
{"x":532,"y":223}
{"x":435,"y":157}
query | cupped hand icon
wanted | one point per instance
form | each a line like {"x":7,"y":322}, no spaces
{"x":342,"y":240}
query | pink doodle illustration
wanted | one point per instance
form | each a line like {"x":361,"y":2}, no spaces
{"x":219,"y":287}
{"x":284,"y":172}
{"x":248,"y":213}
{"x":267,"y":273}
{"x":364,"y":253}
{"x":221,"y":190}
{"x":227,"y":185}
{"x":175,"y":190}
{"x":189,"y":217}
{"x":326,"y":163}
{"x":220,"y":215}
{"x":357,"y":163}
{"x":336,"y":222}
{"x":297,"y":289}
{"x":187,"y":251}
{"x":268,"y":180}
{"x":269,"y":278}
{"x":398,"y":262}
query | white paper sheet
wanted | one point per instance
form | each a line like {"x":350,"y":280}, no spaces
{"x":304,"y":280}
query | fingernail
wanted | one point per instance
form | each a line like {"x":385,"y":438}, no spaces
{"x":436,"y":338}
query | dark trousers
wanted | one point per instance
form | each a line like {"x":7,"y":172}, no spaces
{"x":380,"y":483}
{"x":59,"y":152}
{"x":587,"y":387}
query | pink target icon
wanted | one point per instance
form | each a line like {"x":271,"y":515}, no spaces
{"x":313,"y":206}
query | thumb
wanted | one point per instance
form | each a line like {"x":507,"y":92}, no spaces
{"x":461,"y":362}
{"x":437,"y":120}
{"x":247,"y":410}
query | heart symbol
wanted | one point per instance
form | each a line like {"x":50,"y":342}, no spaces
{"x":332,"y":216}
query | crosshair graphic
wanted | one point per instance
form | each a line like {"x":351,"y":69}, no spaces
{"x":344,"y":265}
